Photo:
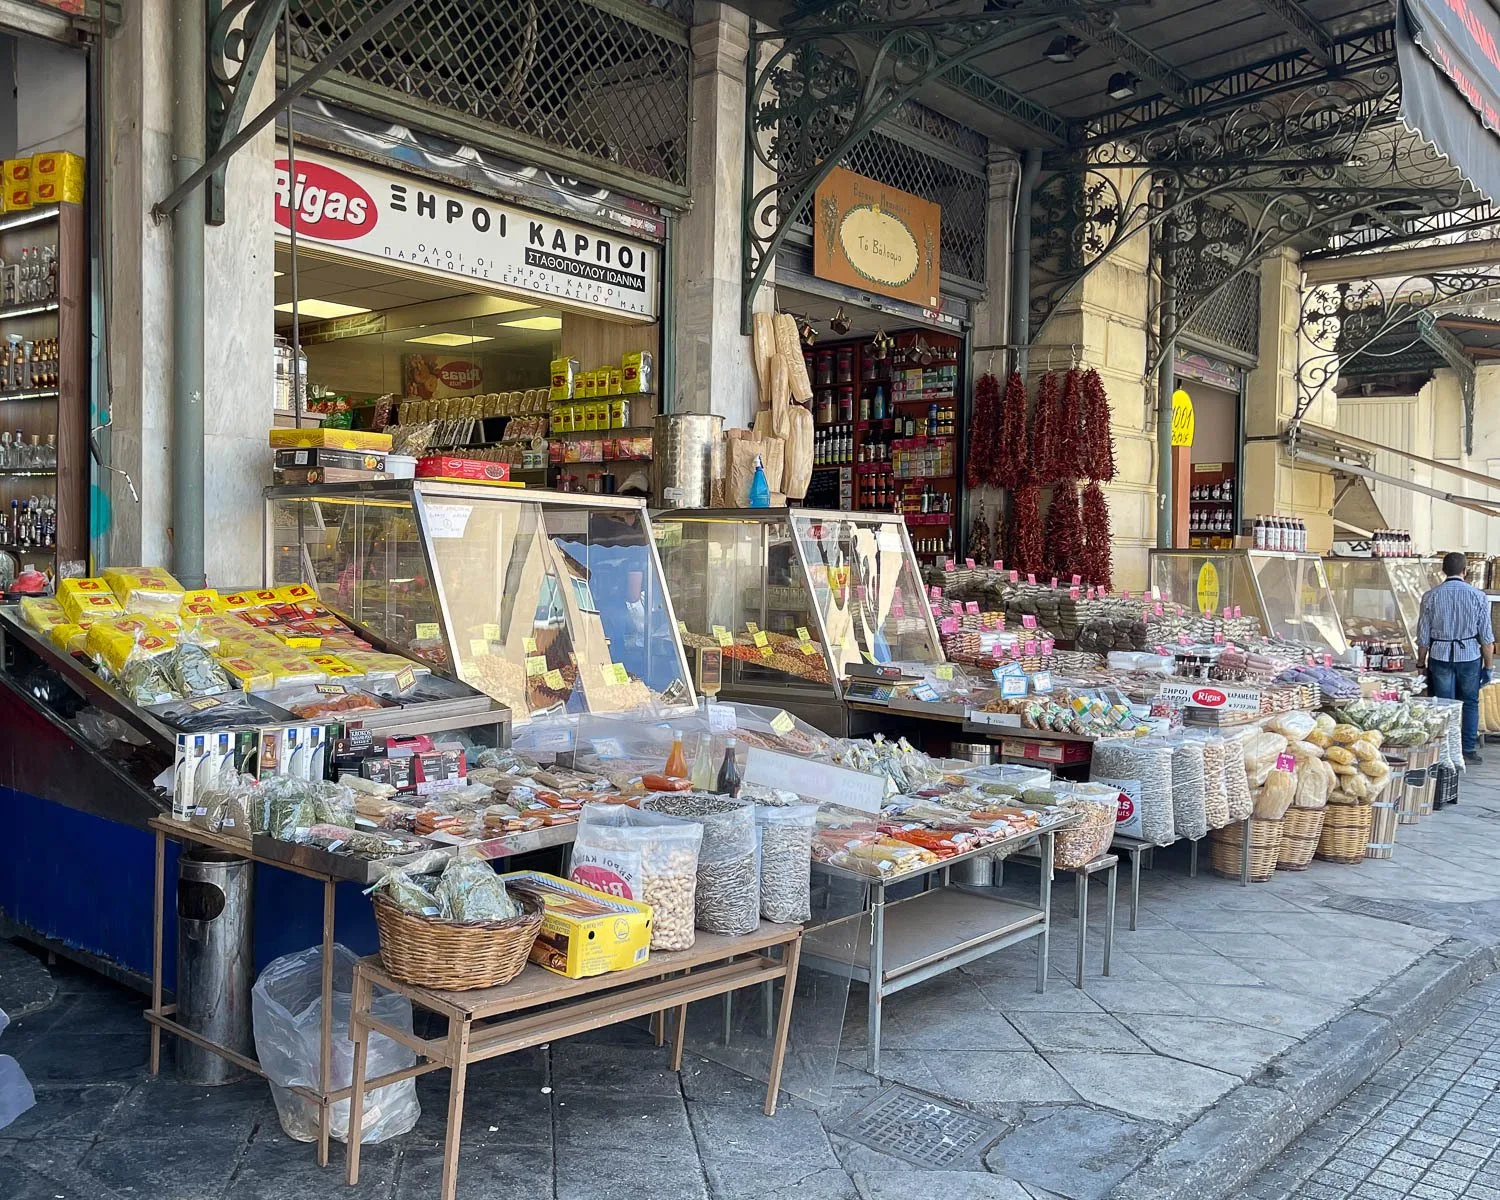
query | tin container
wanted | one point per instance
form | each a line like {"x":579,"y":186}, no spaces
{"x":687,"y":459}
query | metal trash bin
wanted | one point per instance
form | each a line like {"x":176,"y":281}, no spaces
{"x":215,"y":962}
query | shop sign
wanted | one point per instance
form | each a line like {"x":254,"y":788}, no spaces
{"x":1228,"y":699}
{"x":878,"y":238}
{"x":1208,"y":588}
{"x":1183,"y":422}
{"x":385,"y":217}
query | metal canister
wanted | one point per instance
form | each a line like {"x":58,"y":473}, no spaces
{"x":215,"y":961}
{"x":687,"y":459}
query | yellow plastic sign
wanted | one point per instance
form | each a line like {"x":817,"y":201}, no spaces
{"x":1208,"y":589}
{"x":1183,"y":422}
{"x":536,"y":664}
{"x":554,"y":680}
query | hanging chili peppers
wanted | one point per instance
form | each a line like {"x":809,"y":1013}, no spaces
{"x":1007,"y":464}
{"x":1024,"y":551}
{"x":1068,"y":429}
{"x":1043,"y":465}
{"x":984,"y":432}
{"x":1096,"y":545}
{"x":981,"y":543}
{"x":1098,"y":453}
{"x":1064,"y":531}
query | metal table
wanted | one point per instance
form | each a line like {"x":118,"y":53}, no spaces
{"x":902,"y":943}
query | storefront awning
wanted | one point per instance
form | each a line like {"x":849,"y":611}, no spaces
{"x":1449,"y":54}
{"x":1355,"y":509}
{"x":1349,"y":457}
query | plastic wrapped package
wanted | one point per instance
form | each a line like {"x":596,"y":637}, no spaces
{"x":1314,"y":781}
{"x":1189,"y":791}
{"x":1275,"y":796}
{"x":469,"y":890}
{"x":1149,"y":762}
{"x":786,"y":837}
{"x":1215,"y":789}
{"x":16,"y":1095}
{"x":1236,"y":781}
{"x":42,"y":612}
{"x":145,"y":589}
{"x":1261,"y":751}
{"x":1341,"y":756}
{"x":1304,"y":750}
{"x":1294,"y":726}
{"x":1345,"y":733}
{"x":193,"y":671}
{"x":727,"y":895}
{"x":1096,"y":806}
{"x":287,"y":1011}
{"x":641,"y":855}
{"x":1350,"y":789}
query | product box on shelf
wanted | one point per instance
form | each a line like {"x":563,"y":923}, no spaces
{"x":56,"y":177}
{"x":585,"y":932}
{"x":329,"y":459}
{"x":333,"y":439}
{"x":16,"y":175}
{"x":463,"y":470}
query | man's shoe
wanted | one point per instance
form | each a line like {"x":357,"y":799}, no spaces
{"x":1473,"y":758}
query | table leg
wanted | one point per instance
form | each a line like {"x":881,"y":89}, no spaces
{"x":1135,"y":888}
{"x":1044,"y":941}
{"x":325,"y":1048}
{"x":458,"y":1052}
{"x":1081,"y":891}
{"x":1193,"y":859}
{"x":1245,"y":852}
{"x":156,"y":937}
{"x":679,"y":1036}
{"x":1109,"y":916}
{"x":877,"y":975}
{"x":793,"y":952}
{"x":358,"y":1010}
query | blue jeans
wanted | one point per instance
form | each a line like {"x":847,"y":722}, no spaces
{"x":1459,"y":681}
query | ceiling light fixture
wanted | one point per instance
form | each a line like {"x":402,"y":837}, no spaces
{"x":551,"y":323}
{"x":321,"y":310}
{"x":450,"y":339}
{"x":1122,"y":85}
{"x":503,"y":304}
{"x":1063,"y":49}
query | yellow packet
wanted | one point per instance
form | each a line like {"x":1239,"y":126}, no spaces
{"x":201,"y":603}
{"x":145,"y":589}
{"x":91,"y":596}
{"x":42,"y":613}
{"x":231,"y":602}
{"x":69,"y":638}
{"x":251,"y":676}
{"x":294,"y":593}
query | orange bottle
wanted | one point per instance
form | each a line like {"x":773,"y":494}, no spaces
{"x":677,"y":764}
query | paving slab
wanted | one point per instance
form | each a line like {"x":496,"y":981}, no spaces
{"x":1208,"y":1041}
{"x":1080,"y":1153}
{"x":26,"y":986}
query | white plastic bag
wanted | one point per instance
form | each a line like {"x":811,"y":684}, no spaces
{"x":16,"y":1095}
{"x":286,"y":1005}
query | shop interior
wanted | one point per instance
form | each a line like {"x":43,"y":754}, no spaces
{"x":1213,"y":492}
{"x":477,"y":360}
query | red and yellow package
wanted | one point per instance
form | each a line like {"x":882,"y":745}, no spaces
{"x":251,"y":676}
{"x":296,"y":593}
{"x":237,"y":601}
{"x":145,"y":589}
{"x":203,"y":602}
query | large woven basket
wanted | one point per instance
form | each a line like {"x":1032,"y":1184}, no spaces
{"x":453,"y":956}
{"x":1346,"y":833}
{"x":1224,"y":849}
{"x":1299,"y":838}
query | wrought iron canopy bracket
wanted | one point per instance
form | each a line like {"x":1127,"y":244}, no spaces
{"x":1453,"y":353}
{"x":240,"y":33}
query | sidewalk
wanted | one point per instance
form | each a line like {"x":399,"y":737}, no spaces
{"x":1234,"y":1017}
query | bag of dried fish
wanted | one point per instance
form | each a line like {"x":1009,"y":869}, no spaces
{"x":786,"y":837}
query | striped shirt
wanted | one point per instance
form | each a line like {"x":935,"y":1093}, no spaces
{"x":1455,"y":622}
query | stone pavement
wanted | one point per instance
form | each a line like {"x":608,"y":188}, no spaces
{"x":1426,"y":1125}
{"x":1234,"y":1018}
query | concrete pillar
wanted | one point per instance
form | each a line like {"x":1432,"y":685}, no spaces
{"x":714,"y":371}
{"x":239,"y":298}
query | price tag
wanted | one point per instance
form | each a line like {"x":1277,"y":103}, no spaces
{"x":948,"y":625}
{"x":760,"y":639}
{"x":924,"y":693}
{"x":944,"y":671}
{"x":1126,"y":595}
{"x":1031,"y":578}
{"x":722,"y":718}
{"x":1048,"y":645}
{"x":1015,"y":577}
{"x":1227,"y":612}
{"x":1028,"y":648}
{"x":956,"y":609}
{"x":1041,"y":682}
{"x":554,"y":680}
{"x":809,"y":648}
{"x":204,"y":703}
{"x":615,"y":673}
{"x":1183,"y":640}
{"x":723,"y":636}
{"x":682,"y":627}
{"x":330,"y":689}
{"x":766,"y":652}
{"x":1077,"y":579}
{"x":529,"y":645}
{"x":1236,"y":610}
{"x":428,"y":630}
{"x":1013,"y":687}
{"x":783,"y":722}
{"x":751,"y":627}
{"x":491,"y":633}
{"x":1286,"y":762}
{"x":934,"y":592}
{"x":1156,"y":609}
{"x":1009,"y":669}
{"x":478,"y":647}
{"x":972,"y":607}
{"x":1218,"y":639}
{"x":1028,"y":621}
{"x":969,"y":562}
{"x":406,"y":677}
{"x":1328,"y":660}
{"x":999,"y":564}
{"x":898,"y":610}
{"x":948,"y":565}
{"x":1053,"y":584}
{"x":802,"y":634}
{"x":1073,"y":592}
{"x":536,"y":664}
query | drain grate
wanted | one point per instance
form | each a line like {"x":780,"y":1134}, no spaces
{"x":1398,"y":911}
{"x":918,"y":1128}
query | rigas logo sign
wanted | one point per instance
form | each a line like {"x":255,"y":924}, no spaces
{"x":460,"y":374}
{"x":330,"y":205}
{"x":1209,"y":698}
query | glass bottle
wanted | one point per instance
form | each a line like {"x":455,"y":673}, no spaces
{"x":677,"y":766}
{"x":703,"y":764}
{"x":51,"y":455}
{"x":728,"y":782}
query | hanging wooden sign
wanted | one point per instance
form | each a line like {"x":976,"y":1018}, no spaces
{"x":877,"y":238}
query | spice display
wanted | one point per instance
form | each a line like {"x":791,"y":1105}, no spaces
{"x":1094,"y":517}
{"x":1045,"y":464}
{"x":1064,"y":531}
{"x":1009,"y":468}
{"x":1023,"y":547}
{"x":1098,"y":445}
{"x":1069,"y":448}
{"x":984,"y":440}
{"x":727,"y":898}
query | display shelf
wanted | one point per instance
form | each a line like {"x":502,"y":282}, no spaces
{"x":31,"y":216}
{"x":934,"y":398}
{"x":13,"y":549}
{"x":927,"y":518}
{"x":42,"y":394}
{"x":589,"y":435}
{"x":27,"y":474}
{"x":35,"y":309}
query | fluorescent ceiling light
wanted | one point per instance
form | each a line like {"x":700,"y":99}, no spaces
{"x":451,"y":339}
{"x":501,"y":305}
{"x":533,"y":323}
{"x":321,"y":310}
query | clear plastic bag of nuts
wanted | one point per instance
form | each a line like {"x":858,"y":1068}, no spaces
{"x":727,"y":899}
{"x":647,"y":856}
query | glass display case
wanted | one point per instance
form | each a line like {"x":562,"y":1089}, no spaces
{"x":550,"y":603}
{"x":793,"y":598}
{"x":1380,"y":599}
{"x":1289,"y":593}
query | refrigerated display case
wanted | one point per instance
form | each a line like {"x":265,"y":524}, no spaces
{"x":1380,"y":599}
{"x":549,"y":602}
{"x":795,"y":598}
{"x":1289,"y":593}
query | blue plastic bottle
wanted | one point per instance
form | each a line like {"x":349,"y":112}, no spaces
{"x":760,"y":491}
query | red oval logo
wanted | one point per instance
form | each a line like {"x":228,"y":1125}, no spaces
{"x":460,"y":374}
{"x":1126,"y":809}
{"x":330,"y":206}
{"x":1209,"y":697}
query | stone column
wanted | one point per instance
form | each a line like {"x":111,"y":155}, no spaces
{"x":714,"y":372}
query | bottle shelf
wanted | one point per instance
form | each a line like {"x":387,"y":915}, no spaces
{"x":34,"y":309}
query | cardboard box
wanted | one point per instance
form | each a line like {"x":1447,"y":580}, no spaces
{"x":585,"y":932}
{"x":16,"y":174}
{"x":303,"y":476}
{"x":329,"y":458}
{"x":333,"y":439}
{"x":465,"y":470}
{"x":56,"y":178}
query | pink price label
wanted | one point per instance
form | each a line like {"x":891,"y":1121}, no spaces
{"x":1328,"y":660}
{"x":956,"y":608}
{"x":972,"y":607}
{"x":1053,"y":584}
{"x":1015,"y":577}
{"x":969,"y":562}
{"x":1126,"y":595}
{"x":1031,"y":578}
{"x":949,"y":625}
{"x":1048,"y":645}
{"x":948,"y":566}
{"x":1073,"y":592}
{"x":898,"y":609}
{"x":1236,"y":611}
{"x":1028,"y":647}
{"x":999,"y":564}
{"x":1182,"y":640}
{"x":935,"y":592}
{"x":1285,"y":762}
{"x":1162,"y":650}
{"x":1077,"y":579}
{"x":1227,"y":612}
{"x":1218,"y":639}
{"x":1156,"y":609}
{"x":1028,"y":622}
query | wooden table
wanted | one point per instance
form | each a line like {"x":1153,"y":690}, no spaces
{"x":539,"y":1006}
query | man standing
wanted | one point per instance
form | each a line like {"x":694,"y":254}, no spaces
{"x":1456,"y":643}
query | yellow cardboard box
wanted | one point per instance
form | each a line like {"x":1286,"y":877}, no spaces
{"x":16,"y":174}
{"x":56,"y":177}
{"x":585,"y":932}
{"x":334,"y":439}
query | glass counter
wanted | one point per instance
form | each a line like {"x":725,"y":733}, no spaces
{"x":548,"y":602}
{"x":1381,"y":598}
{"x":1289,"y":593}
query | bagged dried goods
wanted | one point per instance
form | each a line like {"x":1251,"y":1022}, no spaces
{"x":640,"y":855}
{"x":1148,"y":763}
{"x":727,"y":893}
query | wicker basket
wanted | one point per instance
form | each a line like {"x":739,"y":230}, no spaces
{"x":1224,"y":849}
{"x":454,"y":956}
{"x":1384,"y":811}
{"x":1299,"y":838}
{"x":1346,"y":833}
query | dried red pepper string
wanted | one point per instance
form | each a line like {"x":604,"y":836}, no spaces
{"x":984,"y":431}
{"x":1008,"y":462}
{"x":1096,"y":537}
{"x":1098,"y":444}
{"x":1024,"y":550}
{"x":1069,"y":429}
{"x":1043,"y":464}
{"x":1064,"y":531}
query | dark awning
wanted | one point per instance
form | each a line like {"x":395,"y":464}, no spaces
{"x":1449,"y":54}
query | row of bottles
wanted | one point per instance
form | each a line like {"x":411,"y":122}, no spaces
{"x":32,"y":279}
{"x":1392,"y":543}
{"x":1286,"y":534}
{"x":1211,"y":520}
{"x":1223,"y":490}
{"x":876,"y":492}
{"x":31,"y":523}
{"x":933,"y":544}
{"x":1383,"y":656}
{"x":926,"y":499}
{"x":833,"y":447}
{"x":17,"y":454}
{"x":28,"y":365}
{"x":725,"y":781}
